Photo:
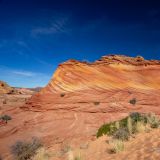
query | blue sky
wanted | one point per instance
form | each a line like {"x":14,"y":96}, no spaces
{"x":37,"y":35}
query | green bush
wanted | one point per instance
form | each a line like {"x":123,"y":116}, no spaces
{"x":25,"y":150}
{"x":121,"y":134}
{"x":130,"y":123}
{"x":133,"y":101}
{"x":6,"y":118}
{"x":111,"y":128}
{"x":123,"y":122}
{"x":108,"y":129}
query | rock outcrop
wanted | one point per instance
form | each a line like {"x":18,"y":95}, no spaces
{"x":5,"y":88}
{"x":81,"y":96}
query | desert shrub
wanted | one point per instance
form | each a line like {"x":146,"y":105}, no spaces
{"x":108,"y":129}
{"x":131,"y":123}
{"x":96,"y":103}
{"x":6,"y":118}
{"x":25,"y":150}
{"x":139,"y":121}
{"x":123,"y":122}
{"x":62,"y":94}
{"x":133,"y":101}
{"x":153,"y":120}
{"x":111,"y":128}
{"x":136,"y":116}
{"x":118,"y":146}
{"x":155,"y":125}
{"x":143,"y":118}
{"x":121,"y":134}
{"x":41,"y":154}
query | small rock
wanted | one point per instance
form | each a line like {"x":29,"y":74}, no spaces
{"x":84,"y":146}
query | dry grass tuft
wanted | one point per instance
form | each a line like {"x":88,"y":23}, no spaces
{"x":117,"y":146}
{"x":129,"y":125}
{"x":42,"y":154}
{"x":140,"y":127}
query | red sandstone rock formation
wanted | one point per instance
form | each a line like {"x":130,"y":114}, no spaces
{"x":82,"y":96}
{"x":83,"y":83}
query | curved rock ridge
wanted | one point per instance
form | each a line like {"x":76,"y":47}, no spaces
{"x":76,"y":86}
{"x":108,"y":73}
{"x":115,"y":59}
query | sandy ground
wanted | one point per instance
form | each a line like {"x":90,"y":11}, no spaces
{"x":7,"y":100}
{"x":145,"y":146}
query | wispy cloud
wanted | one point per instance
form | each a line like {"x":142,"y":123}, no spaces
{"x":23,"y":78}
{"x":22,"y":43}
{"x":56,"y":26}
{"x":24,"y":73}
{"x":43,"y":62}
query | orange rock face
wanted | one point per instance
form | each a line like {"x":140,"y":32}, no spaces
{"x":81,"y":96}
{"x":109,"y":73}
{"x":112,"y":76}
